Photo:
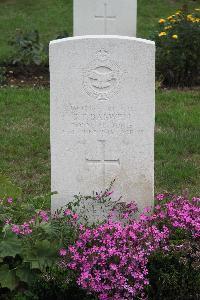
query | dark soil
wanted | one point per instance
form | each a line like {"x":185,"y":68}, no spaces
{"x":31,"y":76}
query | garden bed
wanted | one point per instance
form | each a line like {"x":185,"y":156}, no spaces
{"x":33,"y":76}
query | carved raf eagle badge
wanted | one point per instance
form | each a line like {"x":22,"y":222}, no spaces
{"x":102,"y":76}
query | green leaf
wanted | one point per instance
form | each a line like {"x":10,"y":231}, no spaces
{"x":11,"y":246}
{"x":8,"y":278}
{"x":25,"y":273}
{"x":35,"y":264}
{"x":42,"y":255}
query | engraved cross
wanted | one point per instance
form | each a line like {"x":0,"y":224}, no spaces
{"x":106,"y":18}
{"x":103,"y":162}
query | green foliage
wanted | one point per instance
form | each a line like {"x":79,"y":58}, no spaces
{"x":27,"y":49}
{"x":25,"y":257}
{"x":2,"y":75}
{"x":177,"y":54}
{"x":10,"y":245}
{"x":58,"y":285}
{"x":170,"y":279}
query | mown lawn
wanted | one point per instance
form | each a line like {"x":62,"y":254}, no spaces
{"x":51,"y":17}
{"x":24,"y":136}
{"x":25,"y":149}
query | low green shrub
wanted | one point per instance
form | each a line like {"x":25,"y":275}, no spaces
{"x":177,"y":49}
{"x":174,"y":276}
{"x":64,"y":256}
{"x":29,"y":56}
{"x":28,"y":49}
{"x":55,"y":286}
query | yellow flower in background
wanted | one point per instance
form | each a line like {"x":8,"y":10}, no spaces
{"x":197,"y":9}
{"x":175,"y":36}
{"x":189,"y":17}
{"x":178,"y":12}
{"x":161,"y":21}
{"x":162,"y":33}
{"x":168,"y":27}
{"x":170,"y":18}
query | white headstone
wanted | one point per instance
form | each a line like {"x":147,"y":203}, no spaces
{"x":116,"y":17}
{"x":102,"y":117}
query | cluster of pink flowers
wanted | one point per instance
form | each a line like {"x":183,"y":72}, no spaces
{"x":180,"y":213}
{"x":69,"y":213}
{"x":44,"y":215}
{"x":26,"y":228}
{"x":111,"y":259}
{"x":185,"y":215}
{"x":23,"y":229}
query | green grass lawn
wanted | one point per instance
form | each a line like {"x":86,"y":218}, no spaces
{"x":25,"y":149}
{"x":24,"y":136}
{"x":51,"y":17}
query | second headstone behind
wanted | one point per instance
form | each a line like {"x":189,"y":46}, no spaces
{"x":109,"y":17}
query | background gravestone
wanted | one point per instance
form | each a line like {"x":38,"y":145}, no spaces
{"x":111,"y":17}
{"x":102,"y":117}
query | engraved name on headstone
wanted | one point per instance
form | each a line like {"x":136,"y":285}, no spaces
{"x":102,"y":117}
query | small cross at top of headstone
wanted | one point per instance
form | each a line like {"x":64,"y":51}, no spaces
{"x":105,"y":17}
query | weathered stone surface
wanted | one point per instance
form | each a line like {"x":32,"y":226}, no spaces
{"x":102,"y":117}
{"x":116,"y":17}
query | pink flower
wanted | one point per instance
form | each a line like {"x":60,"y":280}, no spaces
{"x":8,"y":221}
{"x":23,"y":229}
{"x":160,"y":197}
{"x":15,"y":229}
{"x":75,"y":216}
{"x":10,"y":200}
{"x":147,"y":210}
{"x":62,"y":252}
{"x":43,"y":214}
{"x":67,"y":212}
{"x":32,"y":221}
{"x":81,"y":227}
